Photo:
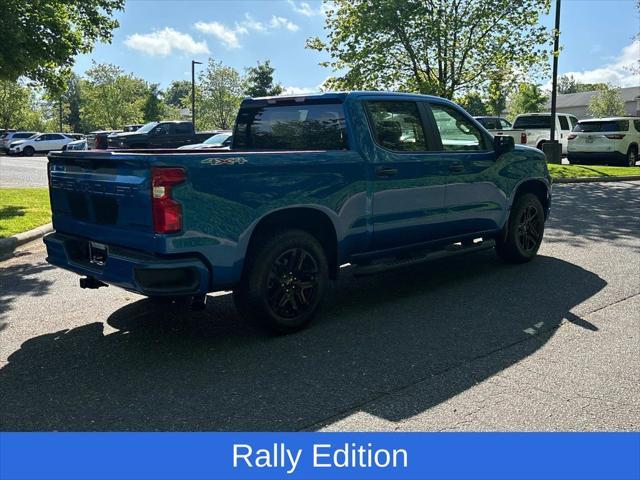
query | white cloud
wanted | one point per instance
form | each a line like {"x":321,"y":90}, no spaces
{"x":304,"y":8}
{"x":230,"y":36}
{"x":617,"y":72}
{"x":227,"y":36}
{"x":163,"y":42}
{"x":281,"y":22}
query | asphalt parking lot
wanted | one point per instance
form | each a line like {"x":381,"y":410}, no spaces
{"x":460,"y":344}
{"x":23,"y":171}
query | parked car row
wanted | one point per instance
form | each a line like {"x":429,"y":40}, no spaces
{"x":613,"y":140}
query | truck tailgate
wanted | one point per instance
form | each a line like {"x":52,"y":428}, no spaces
{"x":102,"y":195}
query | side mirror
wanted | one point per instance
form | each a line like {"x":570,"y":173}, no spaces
{"x":503,"y":144}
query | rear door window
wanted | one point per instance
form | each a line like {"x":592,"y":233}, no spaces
{"x":182,"y":128}
{"x":291,"y":127}
{"x":564,"y":123}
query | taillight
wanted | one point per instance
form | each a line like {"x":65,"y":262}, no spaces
{"x":571,"y":136}
{"x":167,"y":212}
{"x":615,"y":137}
{"x":523,"y":138}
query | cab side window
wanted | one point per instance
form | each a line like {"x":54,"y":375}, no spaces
{"x":564,"y":123}
{"x":397,"y":125}
{"x":636,"y":123}
{"x":457,"y":133}
{"x":162,"y":129}
{"x":504,"y":124}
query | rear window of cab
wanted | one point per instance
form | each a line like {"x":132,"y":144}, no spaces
{"x":291,"y":127}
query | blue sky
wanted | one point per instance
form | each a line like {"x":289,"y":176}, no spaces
{"x":158,"y":38}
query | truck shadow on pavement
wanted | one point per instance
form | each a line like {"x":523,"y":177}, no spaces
{"x":17,"y":281}
{"x":208,"y":371}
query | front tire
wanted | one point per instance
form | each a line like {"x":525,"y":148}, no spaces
{"x":525,"y":229}
{"x":284,"y":282}
{"x":28,"y":151}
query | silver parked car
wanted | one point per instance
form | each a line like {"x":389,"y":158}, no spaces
{"x":9,"y":137}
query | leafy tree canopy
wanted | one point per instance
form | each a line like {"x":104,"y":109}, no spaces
{"x":218,"y":96}
{"x":472,"y":103}
{"x":177,"y":92}
{"x":568,"y":84}
{"x":259,"y":81}
{"x":439,"y":47}
{"x":112,"y":98}
{"x":40,"y":38}
{"x":528,"y":98}
{"x":152,"y":109}
{"x":608,"y":102}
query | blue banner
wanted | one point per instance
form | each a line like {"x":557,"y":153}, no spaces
{"x":248,"y":456}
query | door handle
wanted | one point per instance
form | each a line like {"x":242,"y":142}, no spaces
{"x":386,"y":172}
{"x":456,"y":167}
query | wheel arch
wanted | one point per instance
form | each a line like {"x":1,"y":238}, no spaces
{"x":313,"y":220}
{"x":539,"y":188}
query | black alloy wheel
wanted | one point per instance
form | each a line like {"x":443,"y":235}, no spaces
{"x":529,"y":233}
{"x":292,"y":284}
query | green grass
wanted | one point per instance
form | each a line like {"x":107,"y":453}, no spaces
{"x":581,"y":171}
{"x":22,"y":209}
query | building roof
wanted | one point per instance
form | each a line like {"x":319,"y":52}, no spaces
{"x":568,"y":100}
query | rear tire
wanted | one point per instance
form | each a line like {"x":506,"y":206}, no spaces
{"x":632,"y":156}
{"x":284,"y":282}
{"x":28,"y":151}
{"x":540,"y":145}
{"x":525,"y":229}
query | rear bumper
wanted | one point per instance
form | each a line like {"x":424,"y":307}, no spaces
{"x":595,"y":158}
{"x":130,"y":269}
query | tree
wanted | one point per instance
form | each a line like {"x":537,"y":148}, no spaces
{"x":497,"y":94}
{"x":177,"y":92}
{"x":608,"y":102}
{"x":259,"y":81}
{"x":14,"y":103}
{"x":152,"y":110}
{"x":40,"y":38}
{"x":436,"y":47}
{"x":528,"y":98}
{"x":568,"y":84}
{"x":112,"y":98}
{"x":219,"y":96}
{"x":472,"y":103}
{"x":72,"y":98}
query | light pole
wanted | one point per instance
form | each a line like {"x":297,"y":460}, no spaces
{"x":554,"y":149}
{"x":193,"y":92}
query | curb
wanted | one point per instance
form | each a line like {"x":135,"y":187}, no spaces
{"x":597,"y":179}
{"x":8,"y":245}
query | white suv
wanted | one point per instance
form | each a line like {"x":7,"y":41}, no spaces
{"x":43,"y":142}
{"x":605,"y":141}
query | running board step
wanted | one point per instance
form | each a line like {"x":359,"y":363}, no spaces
{"x":396,"y":263}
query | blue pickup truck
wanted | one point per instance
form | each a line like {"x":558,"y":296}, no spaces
{"x":377,"y":180}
